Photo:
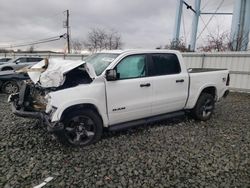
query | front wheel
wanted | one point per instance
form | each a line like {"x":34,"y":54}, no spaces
{"x":204,"y":107}
{"x":81,"y":128}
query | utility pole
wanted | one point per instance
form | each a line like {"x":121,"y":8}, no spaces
{"x":67,"y":26}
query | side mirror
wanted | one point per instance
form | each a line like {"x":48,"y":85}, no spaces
{"x":111,"y":75}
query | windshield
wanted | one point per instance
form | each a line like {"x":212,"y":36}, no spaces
{"x":100,"y":61}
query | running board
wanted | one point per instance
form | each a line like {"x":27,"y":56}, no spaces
{"x":130,"y":124}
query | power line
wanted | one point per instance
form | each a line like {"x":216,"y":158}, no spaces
{"x":189,"y":6}
{"x":51,"y":39}
{"x":40,"y":40}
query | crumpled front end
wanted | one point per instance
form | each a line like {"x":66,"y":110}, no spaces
{"x":53,"y":73}
{"x":31,"y":102}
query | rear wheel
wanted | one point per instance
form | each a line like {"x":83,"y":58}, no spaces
{"x":10,"y":87}
{"x":204,"y":107}
{"x":81,"y":128}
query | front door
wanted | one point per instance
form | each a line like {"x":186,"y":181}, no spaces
{"x":129,"y":97}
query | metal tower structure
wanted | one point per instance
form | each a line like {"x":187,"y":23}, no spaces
{"x":240,"y":25}
{"x":239,"y":29}
{"x":177,"y":25}
{"x":195,"y":22}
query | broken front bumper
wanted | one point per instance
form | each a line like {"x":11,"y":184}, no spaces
{"x":43,"y":117}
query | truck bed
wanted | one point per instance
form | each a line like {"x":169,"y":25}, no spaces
{"x":205,"y":77}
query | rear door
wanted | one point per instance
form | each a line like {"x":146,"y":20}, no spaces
{"x":130,"y":97}
{"x":170,"y":83}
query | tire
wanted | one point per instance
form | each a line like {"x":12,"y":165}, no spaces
{"x":81,"y":128}
{"x":7,"y":68}
{"x":10,"y":87}
{"x":204,"y":107}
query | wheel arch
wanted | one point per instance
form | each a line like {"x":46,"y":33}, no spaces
{"x":210,"y":90}
{"x":81,"y":107}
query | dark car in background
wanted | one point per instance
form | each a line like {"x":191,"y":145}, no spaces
{"x":10,"y":81}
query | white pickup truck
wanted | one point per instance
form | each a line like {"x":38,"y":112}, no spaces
{"x":76,"y":100}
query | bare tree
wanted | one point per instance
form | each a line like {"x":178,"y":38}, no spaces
{"x":238,"y":43}
{"x":113,"y":40}
{"x":117,"y":42}
{"x":216,"y":43}
{"x":95,"y":40}
{"x":175,"y":45}
{"x":178,"y":45}
{"x":31,"y":49}
{"x":76,"y":46}
{"x":100,"y":39}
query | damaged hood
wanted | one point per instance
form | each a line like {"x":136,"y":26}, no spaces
{"x":53,"y":73}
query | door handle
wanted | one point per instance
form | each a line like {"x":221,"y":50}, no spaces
{"x":145,"y":85}
{"x":181,"y":80}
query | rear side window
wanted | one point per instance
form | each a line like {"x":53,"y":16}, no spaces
{"x":165,"y":64}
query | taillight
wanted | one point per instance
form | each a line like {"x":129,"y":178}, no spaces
{"x":228,"y":80}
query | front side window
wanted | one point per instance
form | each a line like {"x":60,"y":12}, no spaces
{"x":132,"y":67}
{"x":165,"y":64}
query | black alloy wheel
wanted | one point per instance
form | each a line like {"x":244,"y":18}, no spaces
{"x":204,"y":107}
{"x":81,"y":128}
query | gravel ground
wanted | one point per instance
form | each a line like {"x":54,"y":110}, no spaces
{"x":173,"y":153}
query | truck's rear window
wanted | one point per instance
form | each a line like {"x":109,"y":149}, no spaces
{"x":164,"y":64}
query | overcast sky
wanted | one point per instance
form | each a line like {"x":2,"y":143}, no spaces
{"x":141,"y":23}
